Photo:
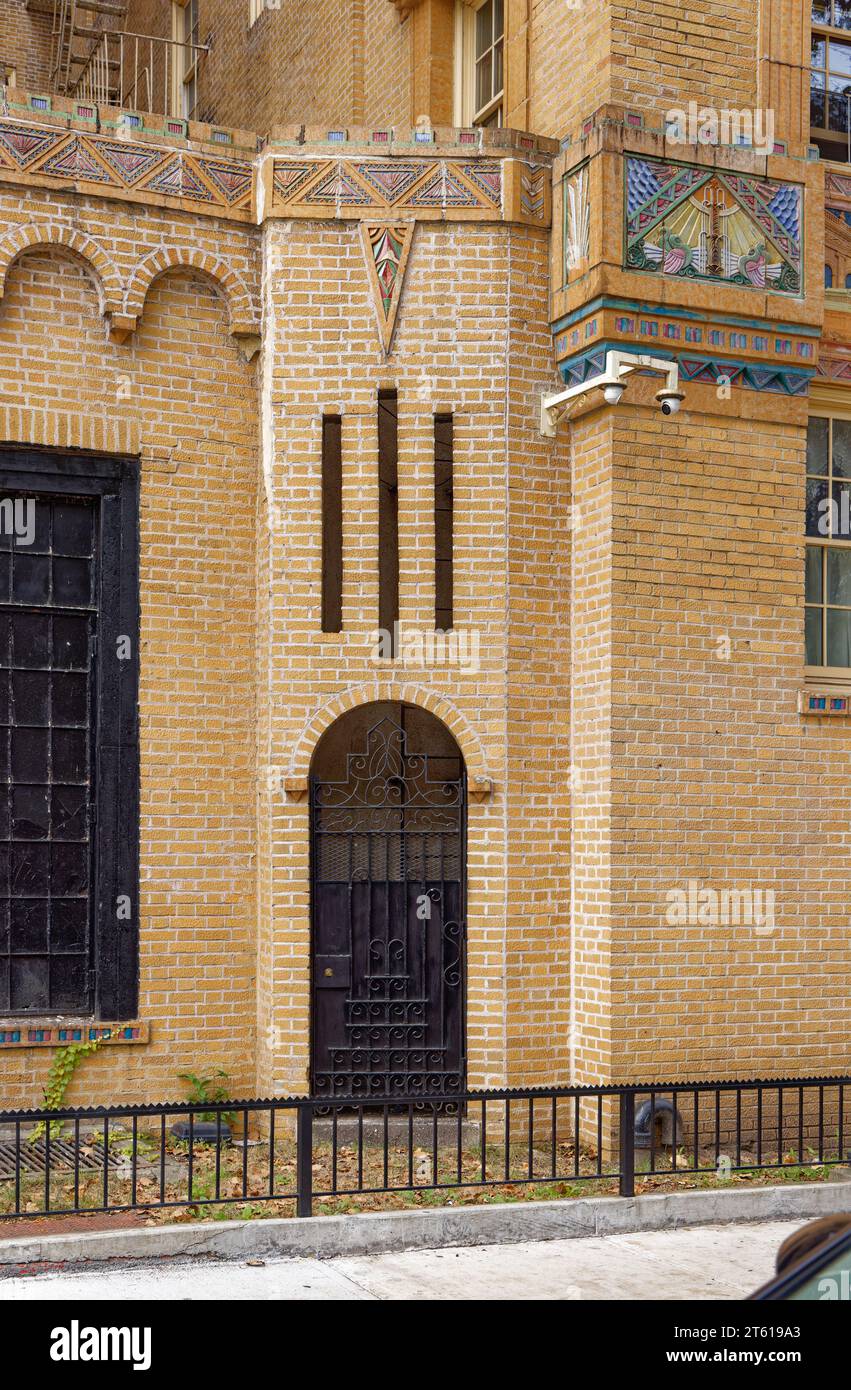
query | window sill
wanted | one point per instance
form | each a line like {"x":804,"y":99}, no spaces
{"x":825,"y":699}
{"x":62,"y":1032}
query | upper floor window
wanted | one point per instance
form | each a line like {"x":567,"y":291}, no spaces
{"x":185,"y":32}
{"x":828,"y":547}
{"x":479,"y":67}
{"x":830,"y":78}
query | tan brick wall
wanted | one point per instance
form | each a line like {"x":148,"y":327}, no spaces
{"x":322,"y":61}
{"x":25,"y":44}
{"x":538,"y":703}
{"x":601,"y":573}
{"x":221,"y":702}
{"x":182,"y":384}
{"x":317,"y":61}
{"x":569,"y":52}
{"x":295,"y":64}
{"x":715,"y":776}
{"x":322,"y":353}
{"x":664,"y":54}
{"x":325,"y":354}
{"x":308,"y":61}
{"x":386,"y":65}
{"x":655,"y":55}
{"x":591,"y":743}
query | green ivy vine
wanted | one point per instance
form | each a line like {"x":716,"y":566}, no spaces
{"x":65,"y":1062}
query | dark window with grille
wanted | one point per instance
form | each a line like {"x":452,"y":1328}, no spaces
{"x":68,"y":735}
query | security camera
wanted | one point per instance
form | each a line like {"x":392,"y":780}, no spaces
{"x":670,"y":401}
{"x":613,"y":392}
{"x":612,"y":382}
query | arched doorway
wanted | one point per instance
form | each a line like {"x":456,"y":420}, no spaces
{"x":388,"y":898}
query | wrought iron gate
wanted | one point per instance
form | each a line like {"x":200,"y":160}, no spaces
{"x":388,"y":903}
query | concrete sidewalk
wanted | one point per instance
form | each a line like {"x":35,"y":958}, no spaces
{"x":703,"y":1262}
{"x":439,"y":1228}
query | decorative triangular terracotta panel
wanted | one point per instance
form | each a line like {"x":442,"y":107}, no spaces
{"x":130,"y":162}
{"x":392,"y":181}
{"x":26,"y":145}
{"x":340,"y":187}
{"x":386,"y":249}
{"x":178,"y":179}
{"x":231,"y":178}
{"x":76,"y":161}
{"x":291,"y":180}
{"x":429,"y":193}
{"x":457,"y":193}
{"x":487,"y":177}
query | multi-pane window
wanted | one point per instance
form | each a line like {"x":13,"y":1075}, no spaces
{"x":48,"y":618}
{"x":479,"y":66}
{"x":830,"y":76}
{"x":832,"y":12}
{"x":489,"y":66}
{"x":68,"y":735}
{"x":185,"y":63}
{"x":828,"y":550}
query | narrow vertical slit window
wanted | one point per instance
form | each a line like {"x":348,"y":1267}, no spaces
{"x":388,"y":515}
{"x":332,"y":524}
{"x":443,"y":522}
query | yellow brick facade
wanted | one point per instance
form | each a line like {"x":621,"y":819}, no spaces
{"x":201,"y":299}
{"x":181,"y":395}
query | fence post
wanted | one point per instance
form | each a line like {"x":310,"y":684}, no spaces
{"x":304,"y":1160}
{"x":627,"y":1144}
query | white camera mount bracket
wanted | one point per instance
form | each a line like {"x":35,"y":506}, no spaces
{"x":612,"y":381}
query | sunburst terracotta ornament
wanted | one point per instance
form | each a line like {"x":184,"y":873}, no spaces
{"x":386,"y":249}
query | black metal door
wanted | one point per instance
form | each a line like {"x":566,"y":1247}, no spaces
{"x":388,"y":902}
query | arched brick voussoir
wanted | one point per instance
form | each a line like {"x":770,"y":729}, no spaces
{"x":243,"y":318}
{"x":84,"y":248}
{"x":479,"y":778}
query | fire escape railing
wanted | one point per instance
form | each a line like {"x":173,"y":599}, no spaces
{"x":62,"y":42}
{"x":139,"y":71}
{"x":113,"y":67}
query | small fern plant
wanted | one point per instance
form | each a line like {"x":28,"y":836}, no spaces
{"x":208,"y":1090}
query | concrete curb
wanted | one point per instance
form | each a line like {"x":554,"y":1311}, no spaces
{"x":323,"y":1237}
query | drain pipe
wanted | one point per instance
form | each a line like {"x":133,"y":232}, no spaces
{"x":658,"y":1114}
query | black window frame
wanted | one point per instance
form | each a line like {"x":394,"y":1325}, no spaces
{"x":114,"y":480}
